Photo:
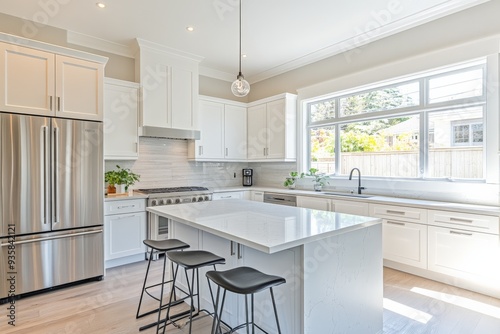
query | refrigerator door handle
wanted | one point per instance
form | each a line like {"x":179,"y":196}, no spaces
{"x":55,"y":179}
{"x":51,"y":238}
{"x":44,"y":173}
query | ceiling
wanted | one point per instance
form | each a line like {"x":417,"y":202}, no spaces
{"x":277,"y":35}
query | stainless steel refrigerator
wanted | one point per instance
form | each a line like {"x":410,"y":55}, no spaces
{"x":51,"y":203}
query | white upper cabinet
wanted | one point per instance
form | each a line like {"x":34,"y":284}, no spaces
{"x":169,"y":79}
{"x":223,"y":131}
{"x":39,"y":82}
{"x":121,"y":115}
{"x":272,"y":129}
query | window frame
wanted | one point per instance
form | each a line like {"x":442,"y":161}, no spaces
{"x":423,"y":109}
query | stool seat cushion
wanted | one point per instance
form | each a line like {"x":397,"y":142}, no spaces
{"x":166,"y":245}
{"x":195,"y":259}
{"x":244,"y":280}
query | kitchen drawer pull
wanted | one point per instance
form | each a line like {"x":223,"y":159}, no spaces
{"x":395,"y":223}
{"x":226,"y":196}
{"x":392,"y":212}
{"x":461,"y":233}
{"x":123,"y":217}
{"x":125,"y":206}
{"x":240,"y":253}
{"x":232,"y":248}
{"x":461,"y":220}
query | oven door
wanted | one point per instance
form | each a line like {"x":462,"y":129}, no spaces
{"x":162,"y":228}
{"x":158,"y":227}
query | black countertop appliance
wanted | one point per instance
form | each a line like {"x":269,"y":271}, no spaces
{"x":247,"y":177}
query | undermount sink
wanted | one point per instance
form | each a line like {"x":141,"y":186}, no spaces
{"x":348,"y":195}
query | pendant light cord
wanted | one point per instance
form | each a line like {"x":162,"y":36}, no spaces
{"x":240,"y":42}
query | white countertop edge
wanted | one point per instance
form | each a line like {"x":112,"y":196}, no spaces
{"x":377,"y":199}
{"x":260,"y":247}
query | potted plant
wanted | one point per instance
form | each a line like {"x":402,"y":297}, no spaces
{"x":290,"y":180}
{"x":121,"y":177}
{"x":319,"y":178}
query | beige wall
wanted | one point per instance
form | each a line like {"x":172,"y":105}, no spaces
{"x":118,"y":67}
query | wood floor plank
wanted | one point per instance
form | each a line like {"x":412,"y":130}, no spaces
{"x":110,"y":305}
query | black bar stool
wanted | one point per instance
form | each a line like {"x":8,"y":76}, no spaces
{"x":244,"y":281}
{"x":189,"y":260}
{"x":161,"y":246}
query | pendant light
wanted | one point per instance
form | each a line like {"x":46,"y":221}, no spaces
{"x":240,"y":86}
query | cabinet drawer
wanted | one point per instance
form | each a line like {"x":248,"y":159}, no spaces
{"x":228,"y":195}
{"x":472,"y":222}
{"x":124,"y":206}
{"x":398,"y":212}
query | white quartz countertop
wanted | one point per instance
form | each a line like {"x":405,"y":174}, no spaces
{"x":266,"y":227}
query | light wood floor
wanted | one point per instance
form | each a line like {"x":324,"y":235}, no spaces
{"x":109,"y":306}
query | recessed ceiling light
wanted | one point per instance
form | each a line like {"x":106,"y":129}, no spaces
{"x":190,"y":29}
{"x":243,"y":55}
{"x":101,"y":5}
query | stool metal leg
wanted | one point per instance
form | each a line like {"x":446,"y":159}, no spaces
{"x":161,"y":291}
{"x":253,"y":322}
{"x":137,"y":316}
{"x":275,"y":311}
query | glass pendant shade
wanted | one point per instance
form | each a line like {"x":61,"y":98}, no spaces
{"x":240,"y":86}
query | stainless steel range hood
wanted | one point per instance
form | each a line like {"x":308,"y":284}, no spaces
{"x":158,"y":132}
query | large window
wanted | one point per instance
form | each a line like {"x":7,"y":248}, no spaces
{"x":427,"y":127}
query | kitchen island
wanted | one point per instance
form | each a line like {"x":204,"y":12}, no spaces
{"x":332,"y":262}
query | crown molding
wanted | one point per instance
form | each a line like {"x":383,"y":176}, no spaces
{"x":95,"y":43}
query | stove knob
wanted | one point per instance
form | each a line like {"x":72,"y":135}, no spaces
{"x":200,"y":199}
{"x":193,"y":199}
{"x":177,"y":200}
{"x":162,"y":202}
{"x":169,"y":201}
{"x":207,"y":198}
{"x":153,"y":202}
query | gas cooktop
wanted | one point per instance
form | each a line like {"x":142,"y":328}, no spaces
{"x":171,"y":190}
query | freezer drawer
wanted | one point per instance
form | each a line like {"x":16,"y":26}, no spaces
{"x":41,"y":262}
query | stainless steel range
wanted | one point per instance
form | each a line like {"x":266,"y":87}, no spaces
{"x":158,"y":228}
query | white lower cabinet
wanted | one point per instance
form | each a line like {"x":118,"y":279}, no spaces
{"x":124,"y":232}
{"x":405,"y":242}
{"x":257,"y":196}
{"x":464,"y":254}
{"x":340,"y":206}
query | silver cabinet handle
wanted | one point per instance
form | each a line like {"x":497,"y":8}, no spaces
{"x":264,"y":151}
{"x":395,"y":223}
{"x":461,"y":233}
{"x":460,"y":220}
{"x":58,"y":103}
{"x":123,"y":217}
{"x":227,"y":150}
{"x":232,"y":248}
{"x":125,"y":206}
{"x":225,"y":197}
{"x":200,"y":150}
{"x":240,"y":252}
{"x":50,"y":102}
{"x":395,"y":212}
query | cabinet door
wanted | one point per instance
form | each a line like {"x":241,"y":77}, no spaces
{"x":257,"y":196}
{"x":257,"y":132}
{"x":124,"y":235}
{"x":121,"y":121}
{"x":468,"y":255}
{"x":79,"y":87}
{"x":315,"y":203}
{"x":235,"y":132}
{"x":26,"y":80}
{"x":405,"y":242}
{"x":350,"y":207}
{"x":276,"y":129}
{"x":211,"y":143}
